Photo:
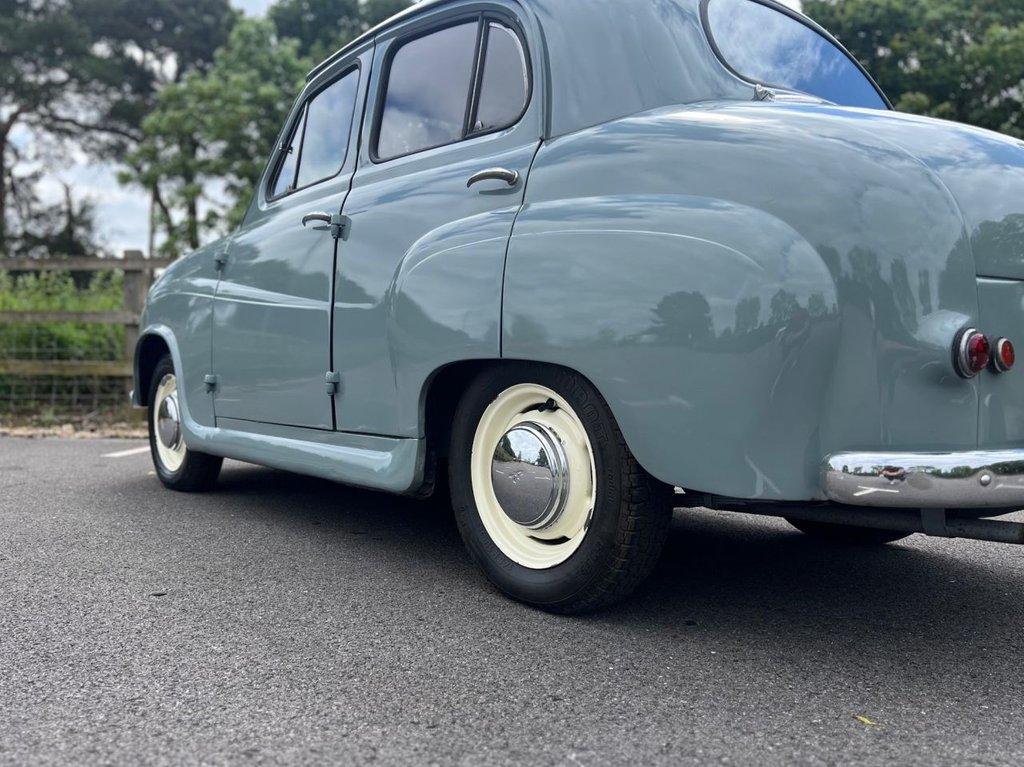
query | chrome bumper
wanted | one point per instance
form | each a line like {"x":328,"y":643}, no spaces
{"x":971,"y":480}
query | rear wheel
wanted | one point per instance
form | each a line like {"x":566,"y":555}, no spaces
{"x":177,"y":467}
{"x":864,"y":536}
{"x":549,"y":500}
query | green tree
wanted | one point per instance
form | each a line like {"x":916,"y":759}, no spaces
{"x":956,"y":59}
{"x":68,"y":229}
{"x":217,"y":126}
{"x":86,"y":72}
{"x":254,"y":83}
{"x":153,"y":45}
{"x":37,"y":78}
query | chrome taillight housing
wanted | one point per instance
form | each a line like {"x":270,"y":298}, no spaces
{"x":1004,"y":355}
{"x":972,"y":352}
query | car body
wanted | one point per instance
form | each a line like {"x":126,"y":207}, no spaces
{"x":764,"y":284}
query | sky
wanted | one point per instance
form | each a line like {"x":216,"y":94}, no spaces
{"x":252,"y":7}
{"x":122,"y":212}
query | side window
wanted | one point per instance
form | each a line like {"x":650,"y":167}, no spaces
{"x":285,"y":181}
{"x":442,"y":88}
{"x":768,"y":46}
{"x":318,"y":146}
{"x":505,"y":86}
{"x":328,"y":127}
{"x":429,"y":83}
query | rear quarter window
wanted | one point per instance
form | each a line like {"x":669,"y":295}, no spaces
{"x":768,"y":46}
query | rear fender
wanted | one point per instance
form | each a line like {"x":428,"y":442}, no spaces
{"x":710,"y":328}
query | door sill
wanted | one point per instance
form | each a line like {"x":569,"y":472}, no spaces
{"x":379,"y":463}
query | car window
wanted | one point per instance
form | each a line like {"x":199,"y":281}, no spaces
{"x":328,"y":126}
{"x":318,"y":145}
{"x":770,"y":47}
{"x":285,"y":180}
{"x":428,"y":91}
{"x":505,"y":86}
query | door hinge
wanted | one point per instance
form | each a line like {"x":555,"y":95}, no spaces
{"x":333,"y":381}
{"x":211,"y":383}
{"x":340,"y":226}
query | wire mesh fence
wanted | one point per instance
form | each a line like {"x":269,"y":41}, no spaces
{"x":67,"y":332}
{"x":47,"y":399}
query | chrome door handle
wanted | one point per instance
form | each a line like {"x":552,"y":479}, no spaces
{"x":338,"y":225}
{"x":323,"y":218}
{"x":510,"y":177}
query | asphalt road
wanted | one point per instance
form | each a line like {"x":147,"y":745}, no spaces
{"x":284,"y":619}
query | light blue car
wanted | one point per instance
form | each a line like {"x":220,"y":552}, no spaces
{"x":576,"y":254}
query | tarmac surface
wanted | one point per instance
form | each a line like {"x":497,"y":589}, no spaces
{"x":284,"y":619}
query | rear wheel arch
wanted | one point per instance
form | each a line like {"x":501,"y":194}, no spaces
{"x":445,"y":387}
{"x":442,"y":393}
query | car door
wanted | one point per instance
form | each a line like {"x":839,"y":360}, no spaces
{"x":452,"y":131}
{"x":272,"y":312}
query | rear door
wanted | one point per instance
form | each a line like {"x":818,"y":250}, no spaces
{"x":273,"y":310}
{"x":453,"y":127}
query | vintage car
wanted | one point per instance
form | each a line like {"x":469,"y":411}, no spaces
{"x":584,"y":261}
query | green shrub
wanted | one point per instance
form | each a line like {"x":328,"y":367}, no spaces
{"x":56,"y":291}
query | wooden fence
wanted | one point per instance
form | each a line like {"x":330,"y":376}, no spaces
{"x":138,"y":276}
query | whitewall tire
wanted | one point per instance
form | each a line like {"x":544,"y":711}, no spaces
{"x":177,"y":467}
{"x":549,"y":500}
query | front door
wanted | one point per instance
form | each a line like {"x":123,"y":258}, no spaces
{"x":451,"y":135}
{"x":273,"y":310}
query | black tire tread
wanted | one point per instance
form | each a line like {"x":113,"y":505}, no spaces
{"x":640,"y":540}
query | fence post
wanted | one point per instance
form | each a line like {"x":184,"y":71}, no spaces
{"x":136,"y":284}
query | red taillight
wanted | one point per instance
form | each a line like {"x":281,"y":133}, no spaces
{"x":1005,"y":356}
{"x":971,"y":352}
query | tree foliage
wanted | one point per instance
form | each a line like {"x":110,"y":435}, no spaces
{"x":85,"y":73}
{"x":38,"y":79}
{"x":956,"y":59}
{"x":323,"y":26}
{"x":208,"y":138}
{"x":214,"y":130}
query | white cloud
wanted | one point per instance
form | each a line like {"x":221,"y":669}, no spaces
{"x":122,"y":213}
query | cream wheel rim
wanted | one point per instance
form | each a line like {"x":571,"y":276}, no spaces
{"x":530,"y":434}
{"x":166,"y":415}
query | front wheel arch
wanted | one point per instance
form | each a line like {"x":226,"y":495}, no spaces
{"x":149,"y":350}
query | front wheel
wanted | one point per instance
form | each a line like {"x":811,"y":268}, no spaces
{"x":862,"y":536}
{"x":549,"y":500}
{"x":177,"y":467}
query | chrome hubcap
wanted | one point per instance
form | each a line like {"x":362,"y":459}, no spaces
{"x":168,"y":422}
{"x":534,"y":476}
{"x":530,"y":475}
